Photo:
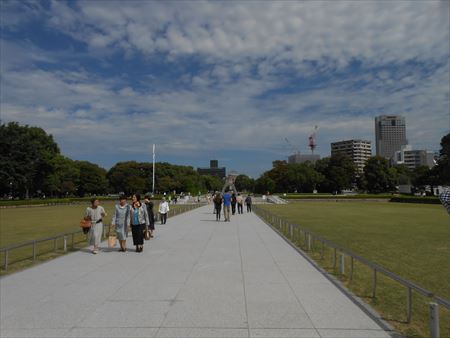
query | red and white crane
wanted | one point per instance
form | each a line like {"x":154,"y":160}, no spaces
{"x":312,"y":140}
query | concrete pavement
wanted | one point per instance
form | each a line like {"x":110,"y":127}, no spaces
{"x":197,"y":278}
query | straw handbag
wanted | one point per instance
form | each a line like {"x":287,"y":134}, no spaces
{"x":112,"y":240}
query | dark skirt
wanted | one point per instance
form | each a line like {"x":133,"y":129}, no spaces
{"x":138,"y":234}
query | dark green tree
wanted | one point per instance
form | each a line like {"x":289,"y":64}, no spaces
{"x":65,"y":177}
{"x":265,"y":184}
{"x":93,"y":179}
{"x":212,"y":183}
{"x":338,"y":172}
{"x":442,"y":170}
{"x":245,"y":183}
{"x":378,"y":176}
{"x":26,"y":155}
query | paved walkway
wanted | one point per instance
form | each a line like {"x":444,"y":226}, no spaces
{"x":198,"y":278}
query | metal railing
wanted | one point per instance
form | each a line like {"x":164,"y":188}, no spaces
{"x":68,"y":239}
{"x":294,"y":232}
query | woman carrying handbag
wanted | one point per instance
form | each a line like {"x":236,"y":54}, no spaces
{"x":139,"y":219}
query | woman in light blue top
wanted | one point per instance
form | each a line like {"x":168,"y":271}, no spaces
{"x":121,"y":222}
{"x":139,"y":219}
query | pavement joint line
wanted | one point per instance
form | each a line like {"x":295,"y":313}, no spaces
{"x":286,"y":280}
{"x":243,"y":278}
{"x":189,"y":274}
{"x":366,"y":308}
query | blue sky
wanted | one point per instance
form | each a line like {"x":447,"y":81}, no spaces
{"x":224,"y":80}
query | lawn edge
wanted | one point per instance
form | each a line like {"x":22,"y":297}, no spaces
{"x":366,"y":308}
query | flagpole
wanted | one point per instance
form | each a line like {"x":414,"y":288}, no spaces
{"x":153,"y":181}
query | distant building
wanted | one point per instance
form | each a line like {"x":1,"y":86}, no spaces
{"x":390,"y":135}
{"x":301,"y":158}
{"x":213,"y":170}
{"x":413,"y":158}
{"x":358,"y":150}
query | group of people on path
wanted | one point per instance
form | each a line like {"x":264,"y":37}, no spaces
{"x":137,"y":216}
{"x":230,"y":201}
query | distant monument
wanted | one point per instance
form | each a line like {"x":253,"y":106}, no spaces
{"x":229,"y":182}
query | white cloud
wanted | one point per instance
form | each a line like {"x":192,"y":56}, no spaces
{"x":376,"y":32}
{"x":248,"y":95}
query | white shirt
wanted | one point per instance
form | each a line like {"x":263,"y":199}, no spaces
{"x":164,"y":207}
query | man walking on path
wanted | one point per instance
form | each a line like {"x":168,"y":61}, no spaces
{"x":163,"y":210}
{"x":227,"y":206}
{"x":248,"y":202}
{"x":240,"y":204}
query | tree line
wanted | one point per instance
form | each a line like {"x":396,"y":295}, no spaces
{"x":31,"y":165}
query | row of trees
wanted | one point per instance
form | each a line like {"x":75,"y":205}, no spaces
{"x":31,"y":164}
{"x":337,"y":173}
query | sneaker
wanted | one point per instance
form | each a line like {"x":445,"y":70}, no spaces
{"x":95,"y":252}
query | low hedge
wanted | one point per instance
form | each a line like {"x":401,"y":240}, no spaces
{"x":327,"y":196}
{"x":52,"y":201}
{"x":416,"y":199}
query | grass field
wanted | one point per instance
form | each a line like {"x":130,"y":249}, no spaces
{"x":412,"y":240}
{"x":18,"y":225}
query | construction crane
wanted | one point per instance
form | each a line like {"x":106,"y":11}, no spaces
{"x":312,"y":140}
{"x":294,"y":149}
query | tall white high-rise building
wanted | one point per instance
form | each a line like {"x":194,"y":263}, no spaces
{"x":390,"y":135}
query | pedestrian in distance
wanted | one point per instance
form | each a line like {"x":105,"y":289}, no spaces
{"x":248,"y":203}
{"x":163,"y":210}
{"x":121,"y":222}
{"x":240,"y":204}
{"x":139,"y":219}
{"x":233,"y":203}
{"x":151,"y":214}
{"x":227,"y":206}
{"x":217,"y":200}
{"x":95,"y":213}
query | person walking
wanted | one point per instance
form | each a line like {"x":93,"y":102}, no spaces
{"x":139,"y":219}
{"x":121,"y":222}
{"x":163,"y":210}
{"x":227,"y":206}
{"x":248,"y":202}
{"x":233,"y":203}
{"x":217,"y":205}
{"x":151,"y":215}
{"x":240,"y":204}
{"x":95,"y":213}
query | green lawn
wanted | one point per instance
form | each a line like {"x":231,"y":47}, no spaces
{"x":29,"y":223}
{"x":412,"y":240}
{"x":18,"y":225}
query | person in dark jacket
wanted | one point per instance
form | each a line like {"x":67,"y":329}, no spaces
{"x":151,"y":215}
{"x":233,"y":203}
{"x":217,"y":205}
{"x":248,"y":202}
